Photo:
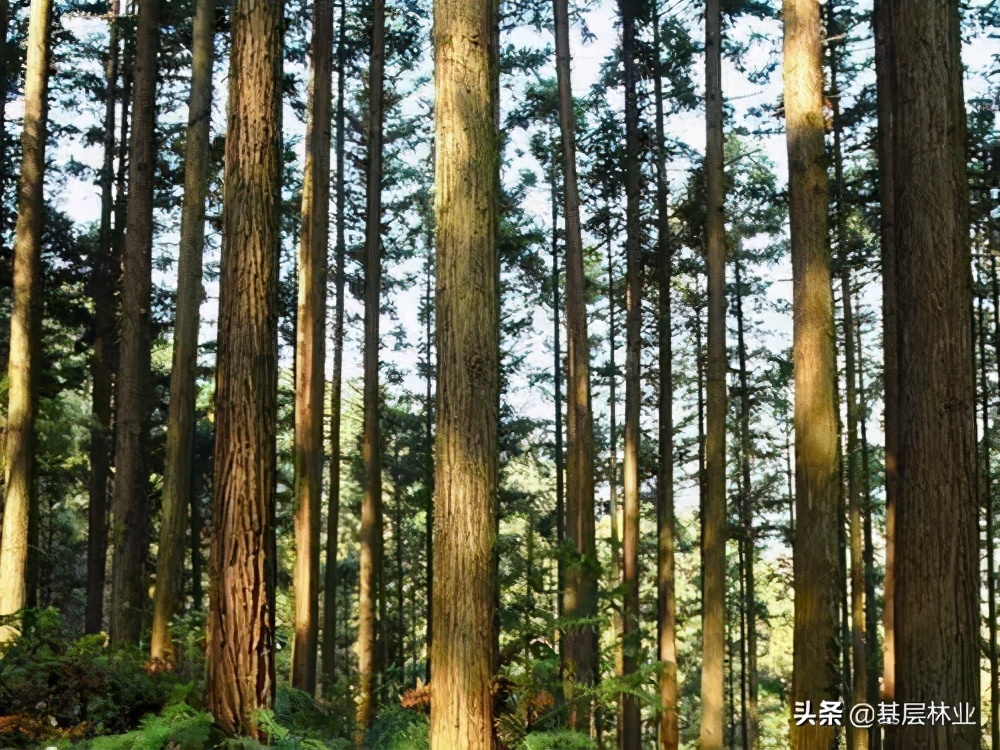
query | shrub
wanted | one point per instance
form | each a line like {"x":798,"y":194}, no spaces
{"x":399,"y":729}
{"x":561,"y":740}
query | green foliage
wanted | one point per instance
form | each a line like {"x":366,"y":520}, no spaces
{"x":48,"y":675}
{"x":178,"y":725}
{"x":399,"y":729}
{"x":563,"y":740}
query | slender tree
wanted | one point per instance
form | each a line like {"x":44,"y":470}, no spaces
{"x":371,"y":507}
{"x":20,"y":516}
{"x":714,"y":514}
{"x":310,"y":333}
{"x":580,"y":594}
{"x":666,"y":592}
{"x":333,"y":513}
{"x":240,"y":678}
{"x":102,"y":291}
{"x":130,"y":506}
{"x":937,"y":639}
{"x":177,"y":478}
{"x":817,"y":475}
{"x":463,"y":651}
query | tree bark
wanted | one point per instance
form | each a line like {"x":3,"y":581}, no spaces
{"x":936,"y":605}
{"x":580,"y":595}
{"x":818,"y":584}
{"x":884,"y":42}
{"x":20,"y":517}
{"x":557,"y":380}
{"x":240,"y":677}
{"x":310,"y":333}
{"x":665,"y":583}
{"x":130,"y":504}
{"x":370,"y":574}
{"x":463,"y":654}
{"x":101,"y":372}
{"x":333,"y":517}
{"x":177,"y":477}
{"x":714,"y":518}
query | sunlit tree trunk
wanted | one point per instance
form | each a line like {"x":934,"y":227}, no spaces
{"x":463,"y":652}
{"x":130,"y":504}
{"x":429,"y":450}
{"x":557,"y":381}
{"x":936,"y":605}
{"x":310,"y":339}
{"x":714,"y":517}
{"x":580,"y":596}
{"x":665,"y":584}
{"x":370,"y":573}
{"x":181,"y":417}
{"x":240,"y":676}
{"x":333,"y":511}
{"x":20,"y":518}
{"x":101,"y":373}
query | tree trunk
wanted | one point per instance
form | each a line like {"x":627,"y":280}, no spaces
{"x":177,"y":483}
{"x":371,"y":509}
{"x":558,"y":431}
{"x":937,"y":605}
{"x":991,"y":573}
{"x":665,"y":585}
{"x":817,"y":475}
{"x":747,"y":536}
{"x":466,"y":480}
{"x":310,"y":339}
{"x":101,"y":373}
{"x":429,"y":453}
{"x":631,"y":635}
{"x":20,"y":518}
{"x":714,"y":518}
{"x":130,"y":504}
{"x":884,"y":42}
{"x":240,"y":678}
{"x":580,"y":662}
{"x":333,"y":517}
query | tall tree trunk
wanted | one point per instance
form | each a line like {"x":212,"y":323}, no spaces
{"x":665,"y":584}
{"x":310,"y":335}
{"x":747,"y":536}
{"x":370,"y":573}
{"x":183,"y":390}
{"x":20,"y":518}
{"x":714,"y":518}
{"x":991,"y":572}
{"x":429,"y":452}
{"x":859,"y":688}
{"x":884,"y":42}
{"x":130,"y":504}
{"x":632,"y":728}
{"x":463,"y":652}
{"x":937,"y":606}
{"x":817,"y":475}
{"x":580,"y":662}
{"x":333,"y":517}
{"x":240,"y":678}
{"x":102,"y":292}
{"x":558,"y":431}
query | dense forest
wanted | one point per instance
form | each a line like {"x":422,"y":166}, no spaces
{"x":500,"y":374}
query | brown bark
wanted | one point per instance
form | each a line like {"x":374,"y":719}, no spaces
{"x":177,"y":478}
{"x":884,"y":42}
{"x":818,"y":584}
{"x":665,"y":584}
{"x":557,"y":380}
{"x":370,"y":574}
{"x":580,"y":595}
{"x":991,"y":572}
{"x":463,"y":654}
{"x":130,"y":504}
{"x":333,"y":517}
{"x":429,"y":457}
{"x":20,"y":518}
{"x":631,"y":729}
{"x":310,"y":333}
{"x":240,"y":676}
{"x":937,"y":556}
{"x":102,"y":292}
{"x":714,"y":516}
